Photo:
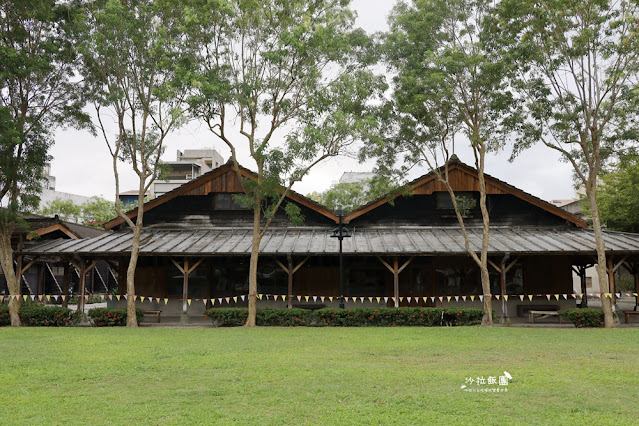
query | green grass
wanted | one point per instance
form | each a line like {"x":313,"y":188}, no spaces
{"x":316,"y":375}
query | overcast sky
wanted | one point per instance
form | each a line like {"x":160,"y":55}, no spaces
{"x":82,"y":164}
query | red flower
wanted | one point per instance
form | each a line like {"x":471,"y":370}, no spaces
{"x":421,"y":315}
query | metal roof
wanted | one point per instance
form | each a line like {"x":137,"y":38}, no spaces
{"x":364,"y":241}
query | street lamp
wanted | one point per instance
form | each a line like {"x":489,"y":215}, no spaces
{"x":340,"y":233}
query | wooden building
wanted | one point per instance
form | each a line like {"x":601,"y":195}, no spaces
{"x":196,"y":246}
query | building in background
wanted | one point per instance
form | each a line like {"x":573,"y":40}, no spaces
{"x":188,"y":165}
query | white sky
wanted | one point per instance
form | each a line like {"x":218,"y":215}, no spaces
{"x":82,"y":164}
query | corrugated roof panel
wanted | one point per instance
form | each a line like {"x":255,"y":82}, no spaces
{"x":426,"y":241}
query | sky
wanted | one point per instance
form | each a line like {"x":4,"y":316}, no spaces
{"x":82,"y":164}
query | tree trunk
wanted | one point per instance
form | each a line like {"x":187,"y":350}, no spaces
{"x":131,"y":319}
{"x":255,"y":253}
{"x":483,"y":267}
{"x":10,"y":274}
{"x":600,"y":267}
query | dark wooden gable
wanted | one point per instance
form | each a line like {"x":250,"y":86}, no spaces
{"x":191,"y":203}
{"x":508,"y":205}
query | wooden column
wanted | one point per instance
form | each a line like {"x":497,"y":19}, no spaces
{"x":396,"y":270}
{"x":186,"y":270}
{"x":289,"y":257}
{"x":40,"y":286}
{"x":503,"y":270}
{"x":66,"y":279}
{"x":584,"y":286}
{"x":636,"y":277}
{"x":83,"y":275}
{"x":290,"y":270}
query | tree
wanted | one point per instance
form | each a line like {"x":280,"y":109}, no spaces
{"x":65,"y":209}
{"x":447,"y":82}
{"x":37,"y":95}
{"x":349,"y":196}
{"x":290,"y":67}
{"x":133,"y":58}
{"x":94,"y":212}
{"x":618,"y":196}
{"x":578,"y":63}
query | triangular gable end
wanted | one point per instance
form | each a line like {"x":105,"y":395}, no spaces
{"x":221,"y":179}
{"x":464,"y":178}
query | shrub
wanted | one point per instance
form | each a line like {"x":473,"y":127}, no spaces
{"x":90,"y":300}
{"x":233,"y":317}
{"x":112,"y":317}
{"x":5,"y":319}
{"x":35,"y":315}
{"x":356,"y":317}
{"x":583,"y":317}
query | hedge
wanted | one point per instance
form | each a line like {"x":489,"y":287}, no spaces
{"x":583,"y":317}
{"x":357,"y":317}
{"x":35,"y":315}
{"x":5,"y":319}
{"x":112,"y":317}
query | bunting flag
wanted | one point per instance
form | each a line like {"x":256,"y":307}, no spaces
{"x":565,"y":296}
{"x":40,"y":298}
{"x":472,"y":297}
{"x":346,"y":298}
{"x":385,"y":299}
{"x":361,"y":299}
{"x":299,"y":298}
{"x":409,"y":299}
{"x":314,"y":298}
{"x":557,"y":296}
{"x":25,"y":297}
{"x":425,"y":299}
{"x":330,"y":298}
{"x":242,"y":297}
{"x":56,"y":297}
{"x":481,"y":298}
{"x":322,"y":298}
{"x":574,"y":295}
{"x":64,"y":297}
{"x":32,"y":298}
{"x":205,"y":300}
{"x":506,"y":297}
{"x":117,"y":296}
{"x":379,"y":299}
{"x":456,"y":298}
{"x":618,"y":295}
{"x":219,"y":300}
{"x":609,"y":295}
{"x":394,"y":300}
{"x":188,"y":301}
{"x":259,"y":296}
{"x":497,"y":296}
{"x":283,"y":297}
{"x":432,"y":299}
{"x":1,"y":298}
{"x":275,"y":296}
{"x":48,"y":298}
{"x":235,"y":299}
{"x":548,"y":296}
{"x":401,"y":299}
{"x":448,"y":298}
{"x":142,"y":298}
{"x":464,"y":298}
{"x":441,"y":299}
{"x":530,"y":297}
{"x":135,"y":297}
{"x":598,"y":295}
{"x":266,"y":295}
{"x":306,"y":297}
{"x":228,"y":300}
{"x":521,"y":297}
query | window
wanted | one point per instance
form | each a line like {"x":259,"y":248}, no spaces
{"x":465,"y":201}
{"x":226,"y":202}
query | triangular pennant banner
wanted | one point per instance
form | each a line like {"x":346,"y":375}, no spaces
{"x":1,"y":298}
{"x":432,"y":299}
{"x":135,"y":297}
{"x":557,"y":296}
{"x":401,"y":299}
{"x":330,"y":298}
{"x":464,"y":298}
{"x":32,"y":298}
{"x":409,"y":299}
{"x":142,"y":298}
{"x":219,"y":300}
{"x":472,"y":298}
{"x":385,"y":299}
{"x":448,"y":298}
{"x":361,"y":299}
{"x":609,"y":295}
{"x":40,"y":298}
{"x":275,"y":296}
{"x":456,"y":298}
{"x":188,"y":301}
{"x":481,"y":297}
{"x":565,"y":296}
{"x":618,"y":295}
{"x":379,"y":299}
{"x":235,"y":299}
{"x":48,"y":298}
{"x":521,"y":297}
{"x":441,"y":299}
{"x":314,"y":298}
{"x":306,"y":297}
{"x":497,"y":296}
{"x":506,"y":297}
{"x":394,"y":300}
{"x":425,"y":299}
{"x":242,"y":297}
{"x":205,"y":301}
{"x":370,"y":299}
{"x":530,"y":296}
{"x":259,"y":296}
{"x":299,"y":298}
{"x":25,"y":297}
{"x":228,"y":300}
{"x":322,"y":298}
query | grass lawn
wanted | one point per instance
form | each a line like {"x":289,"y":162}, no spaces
{"x":317,"y":375}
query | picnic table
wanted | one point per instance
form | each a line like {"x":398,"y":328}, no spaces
{"x":542,"y":315}
{"x":149,"y":312}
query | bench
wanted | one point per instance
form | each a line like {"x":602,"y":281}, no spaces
{"x":153,"y":313}
{"x":628,"y":313}
{"x":542,"y":315}
{"x":522,"y":310}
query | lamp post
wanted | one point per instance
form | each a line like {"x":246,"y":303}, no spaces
{"x":340,"y":233}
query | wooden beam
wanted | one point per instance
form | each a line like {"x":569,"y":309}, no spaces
{"x":192,"y":268}
{"x":281,"y":265}
{"x":396,"y":281}
{"x":57,"y":227}
{"x":405,"y":264}
{"x":185,"y":291}
{"x":28,"y":265}
{"x":512,"y":264}
{"x":621,"y":262}
{"x":390,"y":268}
{"x":177,"y":265}
{"x":299,"y":265}
{"x":494,"y":265}
{"x":289,"y":272}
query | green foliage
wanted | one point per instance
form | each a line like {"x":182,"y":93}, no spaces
{"x":583,"y":317}
{"x":93,"y":212}
{"x":5,"y":319}
{"x":349,"y":196}
{"x":112,"y":317}
{"x":35,"y":315}
{"x":356,"y":317}
{"x":38,"y":95}
{"x":90,"y":300}
{"x":618,"y":196}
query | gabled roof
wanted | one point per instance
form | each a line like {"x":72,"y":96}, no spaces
{"x":464,"y":178}
{"x":43,"y":225}
{"x":204,"y":185}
